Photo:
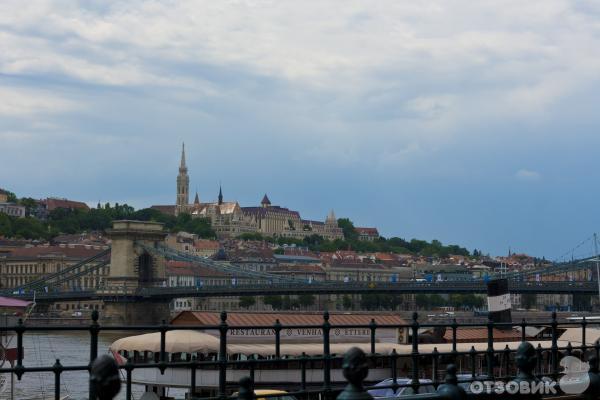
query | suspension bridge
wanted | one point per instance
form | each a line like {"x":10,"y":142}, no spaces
{"x":137,"y":276}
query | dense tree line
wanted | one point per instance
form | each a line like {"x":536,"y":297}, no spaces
{"x":351,"y":242}
{"x":460,"y":301}
{"x":289,"y":302}
{"x":70,"y":221}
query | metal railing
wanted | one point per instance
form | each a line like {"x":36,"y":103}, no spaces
{"x":499,"y":364}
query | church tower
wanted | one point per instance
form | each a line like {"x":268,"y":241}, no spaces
{"x":331,"y":219}
{"x":183,"y":185}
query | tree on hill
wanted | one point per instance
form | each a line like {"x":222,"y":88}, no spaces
{"x":247,"y":301}
{"x":348,"y":228}
{"x":11,"y":197}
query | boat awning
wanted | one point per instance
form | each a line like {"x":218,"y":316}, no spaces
{"x":190,"y":341}
{"x":179,"y":341}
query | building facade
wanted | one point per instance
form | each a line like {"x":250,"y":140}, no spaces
{"x":25,"y":264}
{"x":12,"y":210}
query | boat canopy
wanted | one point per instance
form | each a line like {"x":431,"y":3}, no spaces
{"x":177,"y":341}
{"x":190,"y":341}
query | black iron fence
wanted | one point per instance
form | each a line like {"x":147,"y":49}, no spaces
{"x":527,"y":363}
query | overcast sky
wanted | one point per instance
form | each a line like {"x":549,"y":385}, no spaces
{"x":474,"y":123}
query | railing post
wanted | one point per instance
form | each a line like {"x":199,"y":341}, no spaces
{"x":277,"y":328}
{"x":19,"y":369}
{"x":450,"y":390}
{"x":128,"y":369}
{"x":473,"y":356}
{"x":394,"y":362}
{"x":554,"y":325}
{"x":57,"y":367}
{"x":583,"y":338}
{"x":356,"y":368}
{"x":162,"y":366}
{"x":326,"y":355}
{"x":526,"y":360}
{"x":454,"y":328}
{"x":594,"y":387}
{"x":94,"y":328}
{"x":415,"y":353}
{"x":569,"y":349}
{"x":246,"y":391}
{"x":223,"y":328}
{"x":435,"y":367}
{"x":490,"y":348}
{"x":192,"y":377}
{"x":539,"y":355}
{"x":104,"y":376}
{"x":373,"y":327}
{"x":506,"y":361}
{"x":303,"y":371}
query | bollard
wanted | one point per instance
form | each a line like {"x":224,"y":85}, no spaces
{"x":246,"y":392}
{"x":526,"y":360}
{"x":594,"y":386}
{"x":450,"y":389}
{"x":104,"y":378}
{"x":356,"y":369}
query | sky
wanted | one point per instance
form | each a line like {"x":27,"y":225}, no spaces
{"x":474,"y":123}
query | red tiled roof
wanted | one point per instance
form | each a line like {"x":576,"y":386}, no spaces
{"x":367,"y":231}
{"x":481,"y":334}
{"x":357,"y":265}
{"x":384,"y":256}
{"x":206,"y":245}
{"x":262,"y":211}
{"x":76,"y":252}
{"x":53,"y":204}
{"x":169,"y":210}
{"x":293,"y":318}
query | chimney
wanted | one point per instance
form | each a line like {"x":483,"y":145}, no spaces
{"x":499,"y":302}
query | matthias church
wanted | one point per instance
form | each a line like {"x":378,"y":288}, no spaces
{"x":229,"y":219}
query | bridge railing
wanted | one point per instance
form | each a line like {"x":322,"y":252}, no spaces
{"x":505,"y":362}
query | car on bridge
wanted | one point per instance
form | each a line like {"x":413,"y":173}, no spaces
{"x":426,"y":386}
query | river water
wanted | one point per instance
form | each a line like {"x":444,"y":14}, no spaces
{"x":72,"y":348}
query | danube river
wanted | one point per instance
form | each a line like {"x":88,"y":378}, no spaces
{"x":72,"y":348}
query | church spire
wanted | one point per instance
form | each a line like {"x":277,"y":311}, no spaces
{"x":220,"y":195}
{"x":331,"y":217}
{"x":197,"y":199}
{"x":182,"y":165}
{"x":183,"y":186}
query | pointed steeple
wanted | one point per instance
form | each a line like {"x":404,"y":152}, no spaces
{"x":331,"y":217}
{"x":265,"y":201}
{"x":183,"y":185}
{"x":182,"y":165}
{"x":220,"y":195}
{"x":197,"y":199}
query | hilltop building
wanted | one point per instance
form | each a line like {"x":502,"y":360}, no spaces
{"x":229,"y":219}
{"x":367,"y":234}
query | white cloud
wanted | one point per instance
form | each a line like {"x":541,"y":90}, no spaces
{"x":528,"y":175}
{"x":27,"y":102}
{"x":428,"y":69}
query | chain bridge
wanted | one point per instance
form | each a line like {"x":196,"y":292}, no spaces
{"x":135,"y":289}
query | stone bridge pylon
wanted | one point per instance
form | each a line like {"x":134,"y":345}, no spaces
{"x":132,"y":267}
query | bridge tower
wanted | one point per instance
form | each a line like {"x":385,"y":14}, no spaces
{"x":132,"y":268}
